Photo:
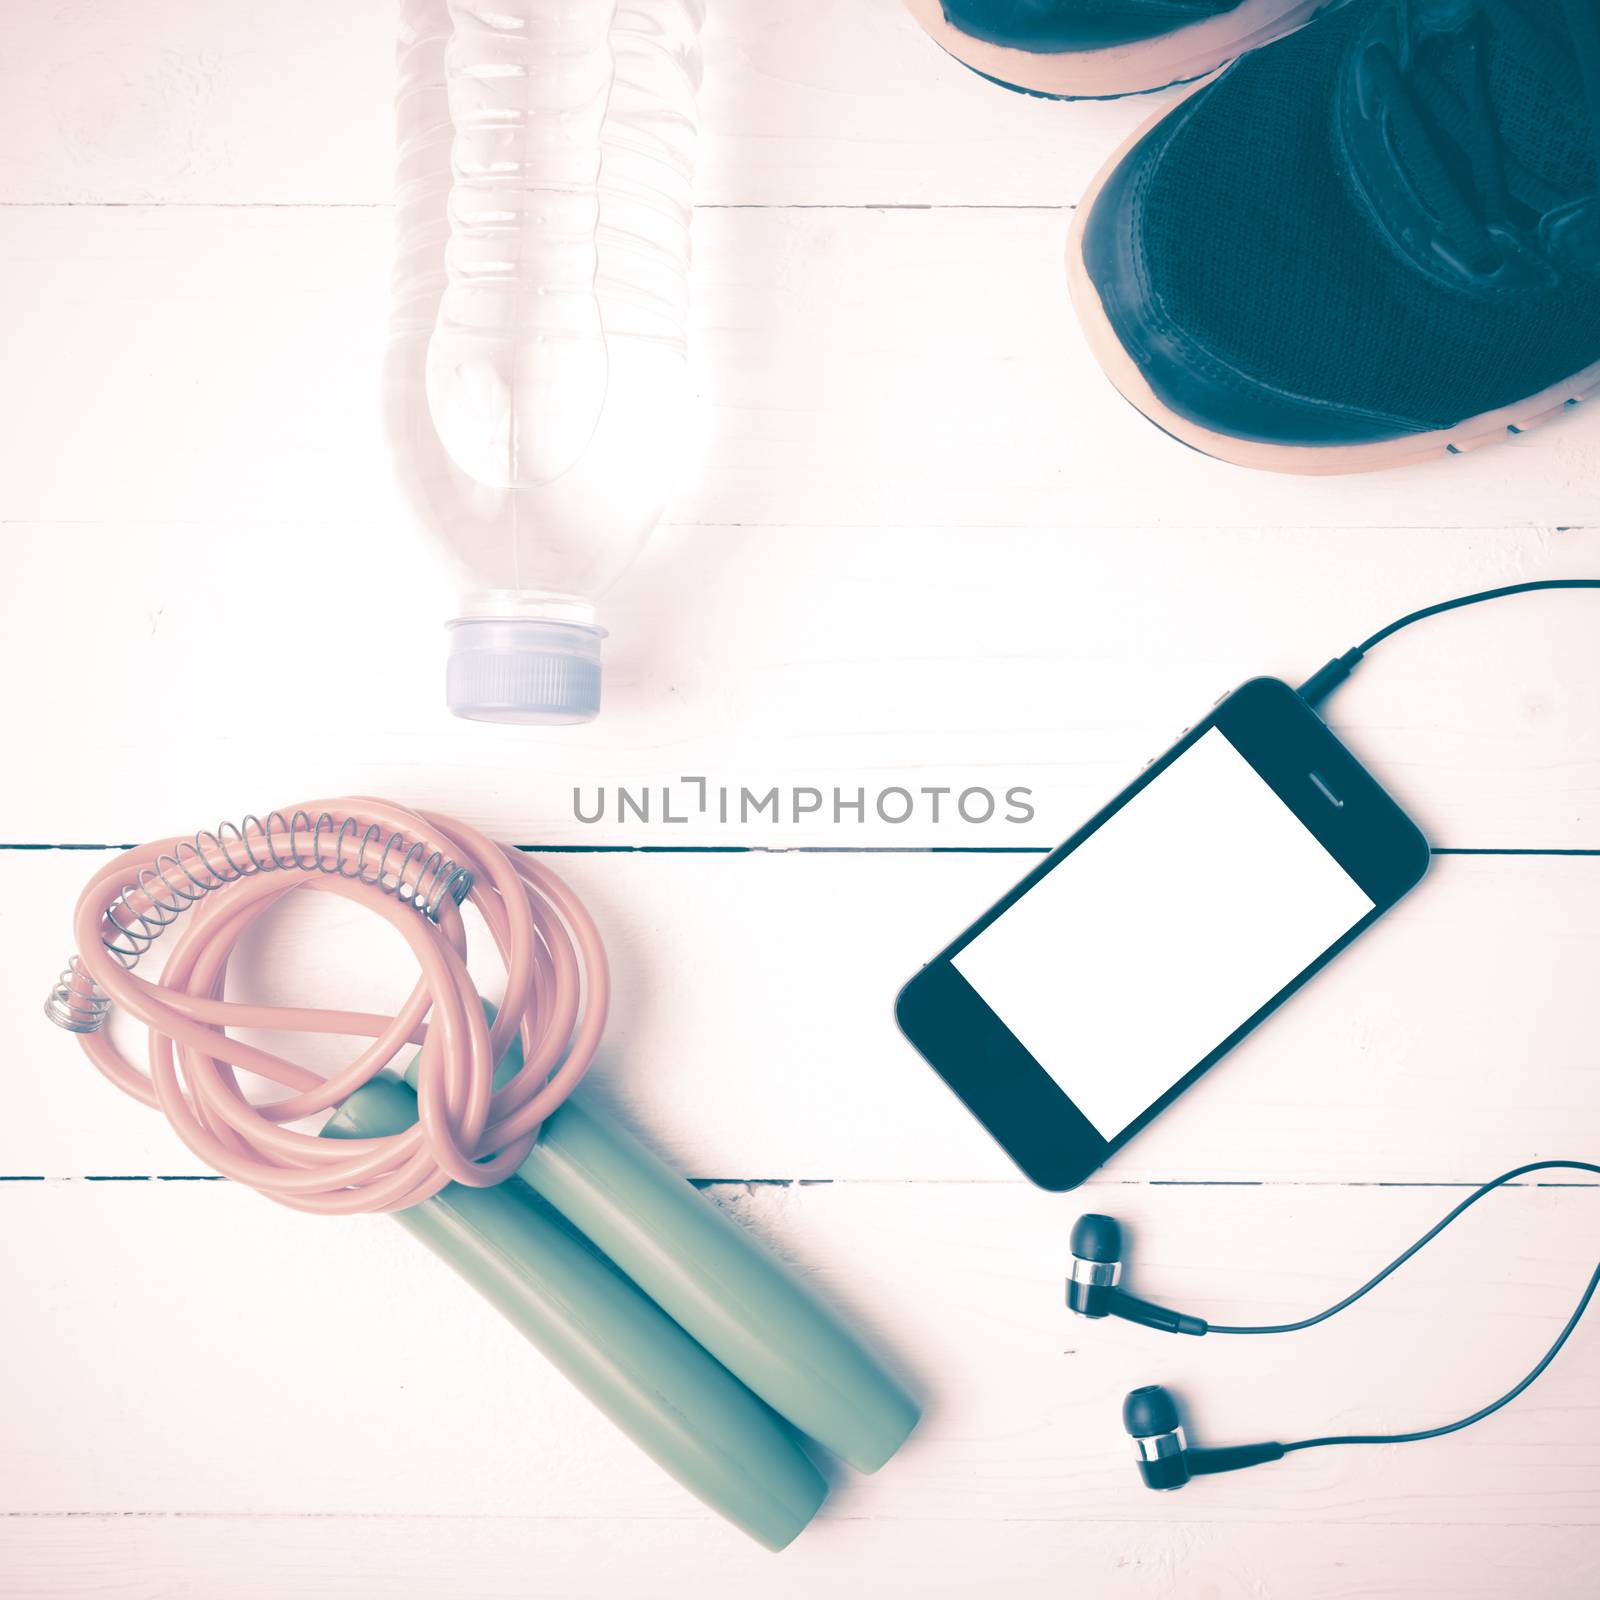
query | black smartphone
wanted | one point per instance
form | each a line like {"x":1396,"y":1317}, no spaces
{"x":1132,"y":958}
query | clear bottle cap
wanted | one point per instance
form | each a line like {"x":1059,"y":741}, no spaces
{"x":523,"y":669}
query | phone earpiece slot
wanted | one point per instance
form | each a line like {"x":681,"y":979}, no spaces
{"x":1326,"y":792}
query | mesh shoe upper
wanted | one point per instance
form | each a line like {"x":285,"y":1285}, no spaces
{"x":1257,"y":255}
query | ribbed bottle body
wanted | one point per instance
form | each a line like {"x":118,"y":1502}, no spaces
{"x":537,"y":387}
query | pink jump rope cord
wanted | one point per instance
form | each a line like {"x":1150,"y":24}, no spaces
{"x":556,"y":994}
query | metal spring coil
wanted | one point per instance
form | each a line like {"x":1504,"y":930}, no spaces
{"x":182,"y":877}
{"x":76,"y":1002}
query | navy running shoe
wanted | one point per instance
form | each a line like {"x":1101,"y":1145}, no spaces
{"x":1375,"y":242}
{"x":1098,"y":49}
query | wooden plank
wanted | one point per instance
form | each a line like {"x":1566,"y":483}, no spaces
{"x":215,"y":1354}
{"x":752,"y":1035}
{"x":910,"y":369}
{"x":209,"y":672}
{"x":507,"y":1558}
{"x":839,"y":102}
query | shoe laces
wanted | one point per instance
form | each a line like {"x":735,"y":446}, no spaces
{"x":1444,"y":117}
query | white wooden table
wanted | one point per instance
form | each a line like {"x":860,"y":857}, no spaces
{"x":925,"y":545}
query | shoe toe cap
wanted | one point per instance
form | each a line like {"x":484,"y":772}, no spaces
{"x":1183,"y":370}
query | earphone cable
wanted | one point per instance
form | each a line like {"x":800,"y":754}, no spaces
{"x":1477,"y":1416}
{"x":1323,"y":682}
{"x":1428,"y":1238}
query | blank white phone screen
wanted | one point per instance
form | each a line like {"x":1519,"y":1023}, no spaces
{"x":1171,"y":925}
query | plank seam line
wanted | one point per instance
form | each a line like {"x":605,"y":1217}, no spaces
{"x":386,"y":205}
{"x":1321,"y":530}
{"x":615,"y":1517}
{"x":813,"y":1183}
{"x":848,"y":849}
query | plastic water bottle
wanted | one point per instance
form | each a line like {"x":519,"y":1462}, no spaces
{"x":536,"y":388}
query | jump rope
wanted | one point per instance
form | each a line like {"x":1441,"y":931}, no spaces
{"x":706,"y":1351}
{"x":709,"y":1354}
{"x":413,"y":869}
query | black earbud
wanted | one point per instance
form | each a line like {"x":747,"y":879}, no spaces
{"x":1096,"y":1265}
{"x":1096,"y":1268}
{"x":1150,"y":1415}
{"x":1166,"y":1460}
